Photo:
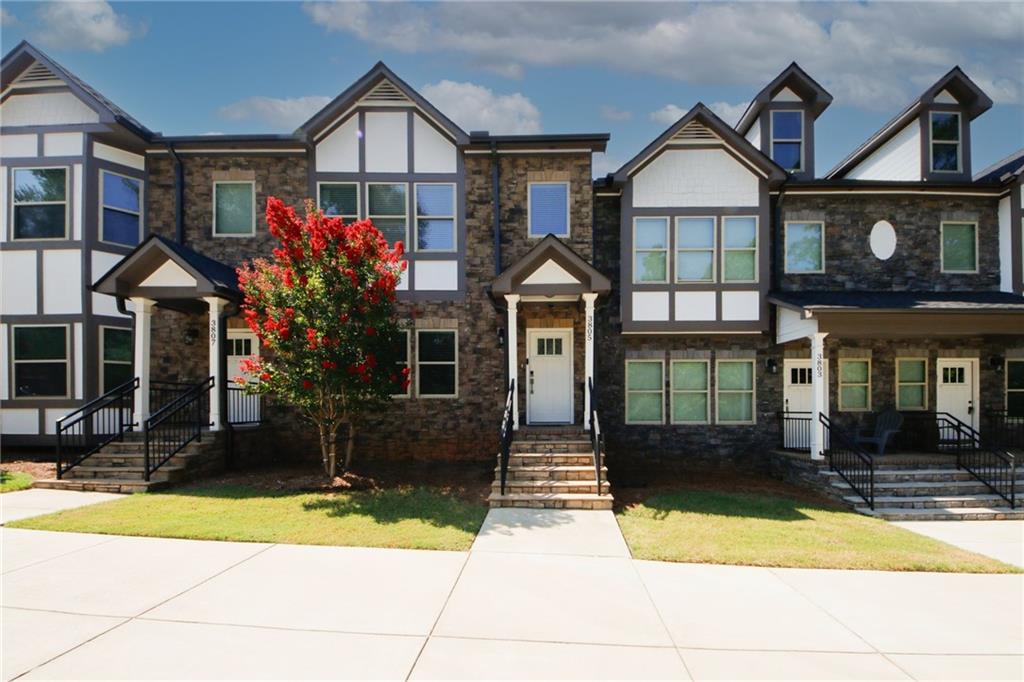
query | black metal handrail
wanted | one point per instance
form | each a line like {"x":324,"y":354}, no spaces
{"x":989,"y":462}
{"x":161,"y":393}
{"x":796,"y":430}
{"x":596,"y":437}
{"x":853,"y":464}
{"x":83,"y":432}
{"x":507,"y":428}
{"x":175,"y":425}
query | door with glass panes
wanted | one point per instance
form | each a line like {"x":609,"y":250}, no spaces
{"x":241,"y":344}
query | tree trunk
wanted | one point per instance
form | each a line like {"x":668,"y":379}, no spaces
{"x":350,"y":445}
{"x":333,"y":466}
{"x":327,"y":452}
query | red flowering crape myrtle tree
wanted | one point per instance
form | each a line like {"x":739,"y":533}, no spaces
{"x":324,"y":309}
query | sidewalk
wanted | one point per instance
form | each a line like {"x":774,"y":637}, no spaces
{"x":39,"y":501}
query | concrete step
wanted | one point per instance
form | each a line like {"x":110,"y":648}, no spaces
{"x":533,"y":487}
{"x":925,"y":488}
{"x":137,"y":447}
{"x":552,"y":445}
{"x":930,"y":501}
{"x":946,"y":514}
{"x":105,"y":459}
{"x":551,"y":472}
{"x":551,"y":458}
{"x":167,"y":472}
{"x":896,"y":475}
{"x":552,"y":501}
{"x":100,"y":485}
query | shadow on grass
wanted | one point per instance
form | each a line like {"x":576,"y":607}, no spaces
{"x":738,"y":505}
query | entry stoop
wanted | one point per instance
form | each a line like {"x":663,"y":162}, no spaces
{"x":551,"y":468}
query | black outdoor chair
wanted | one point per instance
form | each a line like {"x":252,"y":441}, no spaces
{"x":887,"y":425}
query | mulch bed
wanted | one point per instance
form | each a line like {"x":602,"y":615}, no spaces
{"x":34,"y":468}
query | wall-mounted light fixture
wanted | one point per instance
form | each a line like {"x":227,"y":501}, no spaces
{"x":771,"y":366}
{"x":501,"y":337}
{"x":190,"y":335}
{"x":996,"y":362}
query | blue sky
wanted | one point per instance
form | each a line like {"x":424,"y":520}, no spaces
{"x":624,"y":68}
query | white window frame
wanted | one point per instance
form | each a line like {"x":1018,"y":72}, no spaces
{"x":959,"y":142}
{"x":252,"y":227}
{"x":840,"y":384}
{"x":529,"y":209}
{"x":753,"y":391}
{"x":673,"y":391}
{"x":14,"y":203}
{"x":453,"y":217}
{"x":142,"y":189}
{"x":660,"y":391}
{"x":667,"y":250}
{"x":923,"y":384}
{"x":942,"y":247}
{"x":772,"y":139}
{"x":392,"y":216}
{"x":688,"y":249}
{"x":68,"y":353}
{"x":1006,"y":385}
{"x":408,"y":363}
{"x":103,"y":361}
{"x":756,"y":249}
{"x":359,"y":199}
{"x":419,"y":363}
{"x":785,"y":247}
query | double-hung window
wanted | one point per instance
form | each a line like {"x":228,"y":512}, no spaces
{"x":437,"y":353}
{"x":40,"y":203}
{"x":234,"y":209}
{"x":911,"y":384}
{"x":401,"y":359}
{"x":945,"y":143}
{"x":805,"y":248}
{"x":735,"y":392}
{"x":40,"y":362}
{"x":959,"y":247}
{"x":788,"y":139}
{"x":645,"y":392}
{"x":689,"y":384}
{"x":548,"y":209}
{"x":121,"y":214}
{"x":695,"y":249}
{"x":116,"y":356}
{"x":854,"y":385}
{"x":650,"y":250}
{"x":435,"y":217}
{"x":340,"y":200}
{"x":739,"y":253}
{"x":1015,"y":389}
{"x":388,"y":208}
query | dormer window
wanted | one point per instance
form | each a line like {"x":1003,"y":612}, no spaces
{"x":945,"y":130}
{"x":788,"y":139}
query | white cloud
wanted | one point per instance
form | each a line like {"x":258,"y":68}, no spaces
{"x":730,"y":113}
{"x":6,"y":18}
{"x":604,"y":164}
{"x":93,"y":26}
{"x":510,"y":70}
{"x":610,"y":113}
{"x":668,"y":114}
{"x":874,"y":55}
{"x":286,"y":112}
{"x":474,"y":107}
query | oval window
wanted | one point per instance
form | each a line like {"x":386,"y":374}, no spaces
{"x":883,"y":240}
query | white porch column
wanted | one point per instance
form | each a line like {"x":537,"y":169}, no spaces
{"x":819,"y":394}
{"x":512,"y":339}
{"x":217,"y":306}
{"x":143,"y":325}
{"x":588,"y":372}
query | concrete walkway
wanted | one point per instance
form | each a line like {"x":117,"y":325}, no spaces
{"x":1002,"y":540}
{"x":39,"y":501}
{"x":542,"y":594}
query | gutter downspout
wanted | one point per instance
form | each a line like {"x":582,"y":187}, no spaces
{"x":496,"y":192}
{"x":179,"y":196}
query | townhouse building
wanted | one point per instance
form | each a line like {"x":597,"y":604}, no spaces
{"x":711,"y":301}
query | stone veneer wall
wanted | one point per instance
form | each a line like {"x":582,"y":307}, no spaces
{"x":916,"y":265}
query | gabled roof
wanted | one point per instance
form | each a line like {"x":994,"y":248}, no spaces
{"x":373,"y":78}
{"x":797,"y":80}
{"x":212,"y":277}
{"x":24,"y":55}
{"x":550,"y":248}
{"x":956,"y":82}
{"x":702,"y":115}
{"x":1003,"y":170}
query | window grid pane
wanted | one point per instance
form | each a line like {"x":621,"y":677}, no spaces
{"x":645,"y":397}
{"x":435,"y":217}
{"x":689,"y":392}
{"x":340,"y":199}
{"x":1015,"y":389}
{"x":388,"y":209}
{"x":695,"y":249}
{"x":854,"y":385}
{"x":40,"y":203}
{"x":40,"y":362}
{"x":549,"y":209}
{"x":735,"y":391}
{"x":911,"y":384}
{"x":740,"y":249}
{"x":436,"y":353}
{"x":650,"y":250}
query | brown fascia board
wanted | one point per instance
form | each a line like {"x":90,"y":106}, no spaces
{"x":800,"y":82}
{"x":594,"y":142}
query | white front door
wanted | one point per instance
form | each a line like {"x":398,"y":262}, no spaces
{"x":242,"y":344}
{"x":797,"y":397}
{"x":549,"y":376}
{"x":956,"y":389}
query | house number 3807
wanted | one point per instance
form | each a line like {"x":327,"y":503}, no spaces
{"x":213,"y":332}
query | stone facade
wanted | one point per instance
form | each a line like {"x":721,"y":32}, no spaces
{"x":916,"y":264}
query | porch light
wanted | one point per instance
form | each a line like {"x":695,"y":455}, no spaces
{"x":501,"y":337}
{"x":996,"y":362}
{"x":771,"y":366}
{"x":190,"y":335}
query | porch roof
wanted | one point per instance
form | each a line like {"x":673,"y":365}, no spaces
{"x":164,"y":270}
{"x":899,"y":301}
{"x":551,"y":268}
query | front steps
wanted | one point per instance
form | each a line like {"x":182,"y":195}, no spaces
{"x":930,"y":491}
{"x":119,"y":466}
{"x":551,"y":468}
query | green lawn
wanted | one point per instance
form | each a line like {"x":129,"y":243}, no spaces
{"x":14,"y":480}
{"x":409,"y":517}
{"x":757,"y":529}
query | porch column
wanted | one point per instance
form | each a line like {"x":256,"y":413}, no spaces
{"x":217,"y":306}
{"x":143,"y":326}
{"x":513,"y":353}
{"x":588,"y":371}
{"x":819,"y":394}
